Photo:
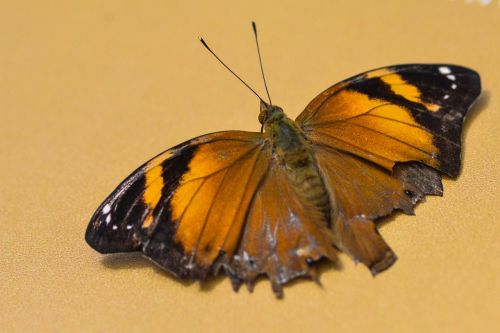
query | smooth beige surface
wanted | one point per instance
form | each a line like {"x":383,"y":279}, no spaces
{"x":91,"y":89}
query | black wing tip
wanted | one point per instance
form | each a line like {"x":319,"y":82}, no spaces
{"x":451,"y":160}
{"x":98,"y":244}
{"x":474,"y":83}
{"x":92,"y":237}
{"x":99,"y":237}
{"x":473,"y":75}
{"x":104,"y":245}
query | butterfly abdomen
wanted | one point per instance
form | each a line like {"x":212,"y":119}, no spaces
{"x":312,"y":189}
{"x":295,"y":153}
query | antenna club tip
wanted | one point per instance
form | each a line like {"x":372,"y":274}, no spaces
{"x":254,"y":26}
{"x":203,"y":42}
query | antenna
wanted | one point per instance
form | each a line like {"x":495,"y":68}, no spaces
{"x":254,"y":26}
{"x":229,"y":69}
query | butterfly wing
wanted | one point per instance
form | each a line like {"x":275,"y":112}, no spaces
{"x":219,"y":200}
{"x":379,"y":138}
{"x":396,"y":114}
{"x":198,"y":224}
{"x":283,"y":235}
{"x":361,"y":192}
{"x":198,"y":188}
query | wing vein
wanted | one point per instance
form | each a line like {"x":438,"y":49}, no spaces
{"x":391,"y":137}
{"x":356,"y":116}
{"x":241,"y":200}
{"x":342,"y":188}
{"x":191,"y":199}
{"x":350,"y":144}
{"x":374,"y":180}
{"x":205,"y":220}
{"x":252,"y":202}
{"x":416,"y":126}
{"x":222,"y":169}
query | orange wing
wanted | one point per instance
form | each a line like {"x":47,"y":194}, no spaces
{"x":283,"y":234}
{"x":396,"y":114}
{"x":217,"y":201}
{"x":185,"y":206}
{"x":367,"y":130}
{"x":362,"y":192}
{"x":199,"y":222}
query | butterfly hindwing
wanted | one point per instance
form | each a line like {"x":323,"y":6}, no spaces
{"x":283,"y":236}
{"x":361,"y":192}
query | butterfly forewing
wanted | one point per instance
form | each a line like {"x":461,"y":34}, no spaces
{"x":130,"y":213}
{"x":396,"y":114}
{"x":202,"y":217}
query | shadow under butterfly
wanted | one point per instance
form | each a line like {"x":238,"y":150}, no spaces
{"x":277,"y":202}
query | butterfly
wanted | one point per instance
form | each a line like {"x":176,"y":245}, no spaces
{"x":276,"y":202}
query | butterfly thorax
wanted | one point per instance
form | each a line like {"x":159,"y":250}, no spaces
{"x":293,"y":151}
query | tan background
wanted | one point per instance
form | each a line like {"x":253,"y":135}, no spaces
{"x":91,"y":89}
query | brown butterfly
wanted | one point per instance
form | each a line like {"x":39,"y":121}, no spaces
{"x":276,"y":202}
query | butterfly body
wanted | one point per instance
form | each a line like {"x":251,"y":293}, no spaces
{"x":274,"y":203}
{"x":293,"y":151}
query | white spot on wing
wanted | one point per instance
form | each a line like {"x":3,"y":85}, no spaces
{"x":454,"y":86}
{"x":451,"y":77}
{"x":114,"y":227}
{"x":108,"y":219}
{"x":303,"y":251}
{"x":129,"y":226}
{"x":446,"y":96}
{"x":444,"y":70}
{"x":106,"y":209}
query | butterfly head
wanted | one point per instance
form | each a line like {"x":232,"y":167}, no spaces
{"x":269,"y":113}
